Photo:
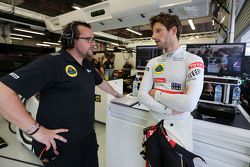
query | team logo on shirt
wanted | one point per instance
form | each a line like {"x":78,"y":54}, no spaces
{"x":192,"y":75}
{"x":175,"y":86}
{"x":196,"y":65}
{"x":160,"y":80}
{"x":71,"y":71}
{"x":159,"y":68}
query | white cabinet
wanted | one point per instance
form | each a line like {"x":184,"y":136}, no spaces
{"x":124,"y":134}
{"x":103,"y":99}
{"x":219,"y":145}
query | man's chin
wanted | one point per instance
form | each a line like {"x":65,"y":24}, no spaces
{"x":159,"y":46}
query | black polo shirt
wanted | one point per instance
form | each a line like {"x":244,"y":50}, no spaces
{"x":67,"y":92}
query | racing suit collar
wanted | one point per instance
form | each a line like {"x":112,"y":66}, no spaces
{"x":179,"y":53}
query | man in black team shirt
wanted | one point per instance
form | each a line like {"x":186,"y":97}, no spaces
{"x":63,"y":131}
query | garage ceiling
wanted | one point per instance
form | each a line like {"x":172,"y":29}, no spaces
{"x":53,"y":8}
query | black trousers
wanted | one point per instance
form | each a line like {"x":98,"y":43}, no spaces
{"x":82,"y":153}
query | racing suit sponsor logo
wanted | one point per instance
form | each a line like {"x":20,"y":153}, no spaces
{"x":192,"y":74}
{"x":195,"y":65}
{"x":175,"y":86}
{"x":14,"y":75}
{"x":71,"y":71}
{"x":159,"y":68}
{"x":160,"y":80}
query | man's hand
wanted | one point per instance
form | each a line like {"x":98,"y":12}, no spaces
{"x":152,"y":93}
{"x":47,"y":137}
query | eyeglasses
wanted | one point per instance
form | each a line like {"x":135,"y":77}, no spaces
{"x":89,"y":39}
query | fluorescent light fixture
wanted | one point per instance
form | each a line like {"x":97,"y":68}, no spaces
{"x":223,"y":18}
{"x":106,"y":35}
{"x":110,"y":49}
{"x":191,"y":23}
{"x":16,"y":38}
{"x":76,"y":6}
{"x":121,"y":48}
{"x":20,"y":35}
{"x":42,"y":44}
{"x":170,"y":3}
{"x":135,"y":32}
{"x":29,"y":31}
{"x":51,"y":43}
{"x":116,"y":44}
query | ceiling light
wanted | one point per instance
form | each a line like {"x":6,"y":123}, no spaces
{"x":223,"y":18}
{"x":121,"y":48}
{"x":51,"y":43}
{"x":41,"y":44}
{"x":191,"y":23}
{"x":172,"y":3}
{"x":109,"y":49}
{"x":116,"y":44}
{"x":135,"y":32}
{"x":212,"y":22}
{"x":20,"y":35}
{"x":16,"y":38}
{"x":76,"y":6}
{"x":29,"y":31}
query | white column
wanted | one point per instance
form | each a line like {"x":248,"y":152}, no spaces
{"x":232,"y":22}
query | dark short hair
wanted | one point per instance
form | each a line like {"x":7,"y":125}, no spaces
{"x":71,"y":31}
{"x":76,"y":24}
{"x":168,"y":20}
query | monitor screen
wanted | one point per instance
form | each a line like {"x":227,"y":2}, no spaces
{"x":144,"y":54}
{"x":220,"y":59}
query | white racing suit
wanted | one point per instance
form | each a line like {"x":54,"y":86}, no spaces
{"x":178,"y":78}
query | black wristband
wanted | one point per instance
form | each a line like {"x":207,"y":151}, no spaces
{"x":35,"y":131}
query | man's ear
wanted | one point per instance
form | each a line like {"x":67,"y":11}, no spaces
{"x":173,"y":30}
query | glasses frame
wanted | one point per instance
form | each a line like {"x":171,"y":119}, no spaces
{"x":88,"y":39}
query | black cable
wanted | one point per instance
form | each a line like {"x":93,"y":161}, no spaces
{"x":10,"y":129}
{"x":24,"y":139}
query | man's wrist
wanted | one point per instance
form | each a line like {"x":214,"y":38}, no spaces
{"x":32,"y":130}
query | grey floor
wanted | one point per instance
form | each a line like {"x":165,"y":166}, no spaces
{"x":17,"y":155}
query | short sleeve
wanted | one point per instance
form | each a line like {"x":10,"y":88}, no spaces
{"x":98,"y":78}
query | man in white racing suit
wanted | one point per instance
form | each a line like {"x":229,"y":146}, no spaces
{"x":173,"y":82}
